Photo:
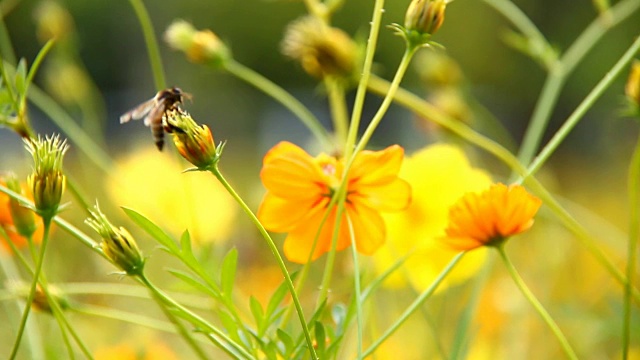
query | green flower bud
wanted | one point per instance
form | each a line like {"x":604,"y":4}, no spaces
{"x":117,"y":244}
{"x":47,"y":182}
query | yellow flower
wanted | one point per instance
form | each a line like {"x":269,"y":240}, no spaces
{"x":153,"y":184}
{"x":490,"y":217}
{"x":438,"y":175}
{"x":632,"y":88}
{"x":300,"y":187}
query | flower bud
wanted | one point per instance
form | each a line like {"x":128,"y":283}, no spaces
{"x":425,"y":16}
{"x":195,"y":143}
{"x":52,"y":21}
{"x":40,"y":300}
{"x":632,"y":89}
{"x":321,"y":50}
{"x":200,"y":46}
{"x":117,"y":244}
{"x":23,"y":219}
{"x":47,"y":182}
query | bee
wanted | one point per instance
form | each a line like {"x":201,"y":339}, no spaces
{"x":153,"y":111}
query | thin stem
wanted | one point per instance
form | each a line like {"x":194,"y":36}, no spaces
{"x":184,"y":333}
{"x":6,"y":48}
{"x":391,"y":93}
{"x":32,"y":290}
{"x":563,"y":68}
{"x":233,"y":349}
{"x":521,"y":21}
{"x":325,"y":285}
{"x":356,"y":287}
{"x":152,"y":43}
{"x":536,"y":304}
{"x":34,"y":69}
{"x":274,"y":250}
{"x":283,"y":97}
{"x":338,"y":107}
{"x":414,"y":306}
{"x":358,"y":104}
{"x":632,"y":252}
{"x":584,"y":106}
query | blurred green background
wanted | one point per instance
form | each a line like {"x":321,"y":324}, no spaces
{"x":589,"y":168}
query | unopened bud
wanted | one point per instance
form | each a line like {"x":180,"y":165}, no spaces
{"x":194,"y":142}
{"x":117,"y":244}
{"x":47,"y":182}
{"x":200,"y":46}
{"x":425,"y":16}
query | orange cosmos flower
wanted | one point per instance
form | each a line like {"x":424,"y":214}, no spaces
{"x":490,"y":217}
{"x":8,"y":223}
{"x":300,"y":187}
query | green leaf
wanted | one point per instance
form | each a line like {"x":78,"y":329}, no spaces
{"x":320,"y":339}
{"x":190,"y":280}
{"x":276,"y":300}
{"x":271,"y":351}
{"x":228,"y":272}
{"x":153,"y":230}
{"x":258,"y":313}
{"x":185,"y":242}
{"x":287,"y":341}
{"x":20,"y":77}
{"x":230,"y":325}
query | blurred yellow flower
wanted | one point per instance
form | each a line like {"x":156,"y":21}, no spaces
{"x":153,"y":184}
{"x":490,"y":217}
{"x":439,"y":175}
{"x":151,"y":351}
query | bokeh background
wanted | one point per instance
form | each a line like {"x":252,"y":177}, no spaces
{"x":588,"y":171}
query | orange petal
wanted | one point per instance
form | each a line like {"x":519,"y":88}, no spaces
{"x":289,"y":172}
{"x":393,"y":196}
{"x":368,"y":228}
{"x":299,"y":242}
{"x":376,"y":167}
{"x":462,"y":243}
{"x":283,"y":215}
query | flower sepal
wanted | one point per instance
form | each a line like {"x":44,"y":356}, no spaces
{"x":415,"y":39}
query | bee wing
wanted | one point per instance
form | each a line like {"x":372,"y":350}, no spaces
{"x":139,"y":111}
{"x":154,"y":115}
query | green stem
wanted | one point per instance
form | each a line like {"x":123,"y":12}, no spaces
{"x":283,"y":97}
{"x":274,"y":250}
{"x":357,"y":289}
{"x":562,"y":68}
{"x":32,"y":290}
{"x":536,"y":304}
{"x":386,"y":102}
{"x":325,"y":285}
{"x":358,"y":104}
{"x":584,"y":106}
{"x":521,"y":21}
{"x":415,"y":305}
{"x":33,"y":69}
{"x":338,"y":107}
{"x":6,"y":48}
{"x":232,"y":349}
{"x":152,"y":43}
{"x":184,"y":333}
{"x":632,"y":255}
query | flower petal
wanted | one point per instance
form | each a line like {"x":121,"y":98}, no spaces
{"x":376,"y":167}
{"x":283,"y":215}
{"x":393,"y":196}
{"x":289,"y":172}
{"x":368,"y":228}
{"x":298,"y":245}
